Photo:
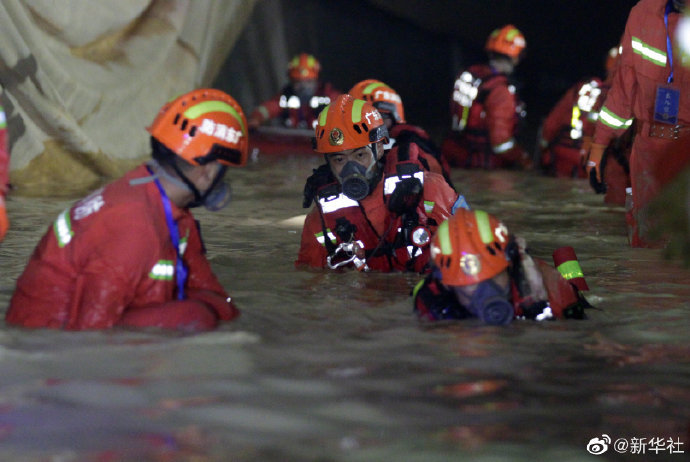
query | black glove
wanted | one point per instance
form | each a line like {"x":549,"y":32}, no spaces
{"x":406,"y":196}
{"x":598,"y":186}
{"x":321,"y":176}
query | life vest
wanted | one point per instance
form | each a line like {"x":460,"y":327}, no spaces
{"x":470,"y":92}
{"x":349,"y":235}
{"x":299,"y":113}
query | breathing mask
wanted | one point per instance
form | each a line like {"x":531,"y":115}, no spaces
{"x":357,"y":180}
{"x":490,"y":304}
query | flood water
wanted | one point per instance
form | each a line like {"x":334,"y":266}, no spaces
{"x":335,"y":367}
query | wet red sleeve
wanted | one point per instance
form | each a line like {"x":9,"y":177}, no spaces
{"x":621,"y":95}
{"x":311,"y":252}
{"x":441,"y":195}
{"x":267,"y":110}
{"x":500,"y":115}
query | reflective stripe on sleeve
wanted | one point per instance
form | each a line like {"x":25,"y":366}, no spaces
{"x":648,"y":52}
{"x":610,"y":119}
{"x":63,"y":229}
{"x":504,"y":147}
{"x":163,"y":270}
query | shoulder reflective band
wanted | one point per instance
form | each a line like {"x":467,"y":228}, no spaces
{"x":214,"y":106}
{"x":429,"y":206}
{"x":570,"y":269}
{"x":3,"y":119}
{"x":649,"y":53}
{"x":503,"y":147}
{"x":484,"y":226}
{"x":163,"y":270}
{"x":63,"y":229}
{"x":357,"y":111}
{"x":612,"y":120}
{"x":340,"y":201}
{"x":391,"y":182}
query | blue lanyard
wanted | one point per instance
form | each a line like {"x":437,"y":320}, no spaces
{"x":181,"y":272}
{"x":669,"y":47}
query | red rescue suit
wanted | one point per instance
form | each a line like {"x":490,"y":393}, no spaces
{"x":660,"y":150}
{"x":570,"y":122}
{"x":433,"y":302}
{"x":384,"y":240}
{"x":486,"y":113}
{"x":293,"y":111}
{"x":109,"y":260}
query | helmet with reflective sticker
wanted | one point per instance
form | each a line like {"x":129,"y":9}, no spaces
{"x":507,"y":40}
{"x":348,"y":123}
{"x":304,"y":67}
{"x":203,"y":126}
{"x":469,"y":247}
{"x":383,"y":97}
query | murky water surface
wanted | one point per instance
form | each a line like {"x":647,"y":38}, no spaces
{"x":331,"y":367}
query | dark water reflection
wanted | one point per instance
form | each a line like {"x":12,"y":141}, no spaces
{"x":325,"y":366}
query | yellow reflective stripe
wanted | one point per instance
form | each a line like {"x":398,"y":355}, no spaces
{"x":648,"y":52}
{"x":357,"y":111}
{"x":429,"y":206}
{"x":324,"y":115}
{"x":612,"y":120}
{"x":444,"y":239}
{"x":372,"y":86}
{"x":511,"y":34}
{"x":484,"y":226}
{"x":570,"y":269}
{"x":214,"y":106}
{"x":3,"y":119}
{"x":416,"y":288}
{"x":63,"y":229}
{"x":575,"y":117}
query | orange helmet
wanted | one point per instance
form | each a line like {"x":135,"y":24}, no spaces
{"x":383,"y":97}
{"x":303,"y":67}
{"x":469,"y":247}
{"x":348,"y":123}
{"x":202,"y":126}
{"x":507,"y":40}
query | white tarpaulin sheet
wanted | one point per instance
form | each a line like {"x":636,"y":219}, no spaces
{"x":81,"y":79}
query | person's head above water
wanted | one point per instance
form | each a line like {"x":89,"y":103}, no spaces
{"x":351,"y":133}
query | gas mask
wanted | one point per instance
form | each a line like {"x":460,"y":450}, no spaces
{"x":357,"y":180}
{"x":490,"y":304}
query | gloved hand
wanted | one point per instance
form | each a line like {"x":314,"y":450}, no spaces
{"x":4,"y":221}
{"x":405,"y":196}
{"x":594,"y":167}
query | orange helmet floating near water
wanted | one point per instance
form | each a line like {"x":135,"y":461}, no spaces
{"x":507,"y":40}
{"x":469,"y":248}
{"x":383,"y":97}
{"x":304,"y":67}
{"x":348,"y":123}
{"x":202,"y":126}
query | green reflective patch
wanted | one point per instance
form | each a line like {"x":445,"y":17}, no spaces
{"x":444,"y":238}
{"x":357,"y":111}
{"x":484,"y":226}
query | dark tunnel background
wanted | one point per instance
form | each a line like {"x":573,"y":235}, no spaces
{"x":418,"y":47}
